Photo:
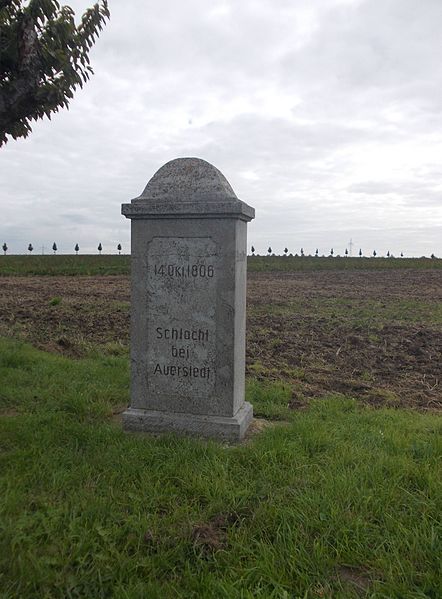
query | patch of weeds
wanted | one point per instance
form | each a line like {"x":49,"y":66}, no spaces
{"x":73,"y":343}
{"x":263,"y":373}
{"x":114,"y":348}
{"x":295,"y":373}
{"x":55,"y":301}
{"x":385,"y":396}
{"x":258,"y":369}
{"x":367,"y":376}
{"x":262,"y":331}
{"x":120,"y":306}
{"x":374,"y":338}
{"x":276,"y":343}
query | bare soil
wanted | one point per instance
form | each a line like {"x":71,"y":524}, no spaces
{"x":373,"y":335}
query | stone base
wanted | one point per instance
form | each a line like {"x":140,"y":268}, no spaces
{"x":216,"y":427}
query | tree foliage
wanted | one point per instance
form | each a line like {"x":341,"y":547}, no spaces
{"x":43,"y":59}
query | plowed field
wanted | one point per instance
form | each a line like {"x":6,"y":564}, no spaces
{"x":373,"y":335}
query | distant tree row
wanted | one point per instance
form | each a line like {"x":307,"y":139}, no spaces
{"x":55,"y":248}
{"x":332,"y":253}
{"x":269,"y":251}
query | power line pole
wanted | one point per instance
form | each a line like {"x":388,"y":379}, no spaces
{"x":350,"y":245}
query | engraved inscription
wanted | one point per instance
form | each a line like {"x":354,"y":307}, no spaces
{"x":181,"y":316}
{"x":184,"y":271}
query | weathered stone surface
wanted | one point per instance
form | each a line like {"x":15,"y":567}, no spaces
{"x":188,"y":180}
{"x":182,"y":318}
{"x":188,"y":303}
{"x":215,"y":427}
{"x":188,"y":187}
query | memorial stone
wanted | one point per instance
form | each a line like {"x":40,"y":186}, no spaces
{"x":189,"y":267}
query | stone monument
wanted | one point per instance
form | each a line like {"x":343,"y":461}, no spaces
{"x":189,"y":267}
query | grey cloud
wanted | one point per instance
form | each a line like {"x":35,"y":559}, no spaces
{"x":294,"y":102}
{"x":416,"y":193}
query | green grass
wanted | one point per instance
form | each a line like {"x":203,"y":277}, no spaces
{"x":120,"y":265}
{"x":90,"y":387}
{"x":311,"y":263}
{"x":333,"y":501}
{"x":64,"y":265}
{"x":269,"y":399}
{"x":357,"y":312}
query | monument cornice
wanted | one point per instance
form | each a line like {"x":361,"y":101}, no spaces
{"x":207,"y":208}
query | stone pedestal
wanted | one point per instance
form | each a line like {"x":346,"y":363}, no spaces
{"x":189,"y":265}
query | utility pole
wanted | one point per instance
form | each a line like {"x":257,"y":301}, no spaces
{"x":350,"y":245}
{"x":43,"y":247}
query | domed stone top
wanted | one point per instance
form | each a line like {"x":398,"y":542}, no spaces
{"x":188,"y":179}
{"x":188,"y":188}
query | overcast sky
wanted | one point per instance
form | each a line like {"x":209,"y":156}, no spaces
{"x":325,"y":115}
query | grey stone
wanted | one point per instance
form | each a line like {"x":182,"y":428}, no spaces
{"x":215,"y":427}
{"x":188,"y":303}
{"x":188,"y":180}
